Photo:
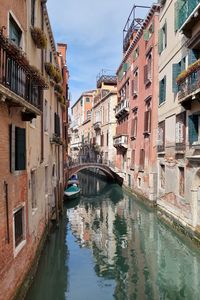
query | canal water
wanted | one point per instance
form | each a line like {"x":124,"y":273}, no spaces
{"x":110,"y":246}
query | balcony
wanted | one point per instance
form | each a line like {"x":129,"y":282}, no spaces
{"x":189,"y":87}
{"x":97,"y":125}
{"x":188,"y":16}
{"x":20,"y":83}
{"x":122,"y":108}
{"x":120,"y":141}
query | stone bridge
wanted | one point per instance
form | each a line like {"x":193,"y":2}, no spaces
{"x":104,"y":168}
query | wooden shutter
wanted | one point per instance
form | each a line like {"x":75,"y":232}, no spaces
{"x":193,"y":128}
{"x":175,"y":72}
{"x":191,"y":57}
{"x":145,"y":74}
{"x":160,"y":41}
{"x":132,"y":87}
{"x":160,"y":92}
{"x":146,"y":35}
{"x":20,"y":148}
{"x":176,"y":15}
{"x":12,"y":147}
{"x":147,"y":121}
{"x":133,"y":158}
{"x":142,"y":158}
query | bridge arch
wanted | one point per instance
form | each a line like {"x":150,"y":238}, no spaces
{"x":104,"y":168}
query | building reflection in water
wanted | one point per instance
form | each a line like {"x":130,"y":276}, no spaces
{"x":131,"y":246}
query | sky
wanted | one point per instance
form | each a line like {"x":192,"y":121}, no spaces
{"x":93,"y":31}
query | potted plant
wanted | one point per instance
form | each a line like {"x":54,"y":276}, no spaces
{"x":57,"y":76}
{"x":50,"y":69}
{"x":39,"y":37}
{"x":58,"y":88}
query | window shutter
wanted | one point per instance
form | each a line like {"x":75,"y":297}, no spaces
{"x":12,"y":148}
{"x":149,"y":121}
{"x":191,"y":57}
{"x":152,"y":26}
{"x":193,"y":128}
{"x":182,"y":64}
{"x":146,"y":35}
{"x":160,"y":41}
{"x":132,"y":87}
{"x":164,"y":88}
{"x":134,"y":55}
{"x":142,"y":158}
{"x":165,"y":28}
{"x":175,"y":73}
{"x":20,"y":148}
{"x":145,"y":74}
{"x":176,"y":15}
{"x":125,"y":67}
{"x":146,"y":117}
{"x":161,"y":91}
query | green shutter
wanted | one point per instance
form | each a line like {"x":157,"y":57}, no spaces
{"x":176,"y":15}
{"x":191,"y":57}
{"x":146,"y":35}
{"x":193,"y":128}
{"x":175,"y":72}
{"x":160,"y":92}
{"x":165,"y":28}
{"x":160,"y":41}
{"x":125,"y":67}
{"x":182,"y":64}
{"x":20,"y":148}
{"x":164,"y":88}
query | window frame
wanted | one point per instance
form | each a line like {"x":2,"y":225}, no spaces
{"x":17,"y":248}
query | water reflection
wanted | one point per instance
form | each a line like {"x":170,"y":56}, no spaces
{"x":116,"y":249}
{"x":131,"y":247}
{"x":51,"y":281}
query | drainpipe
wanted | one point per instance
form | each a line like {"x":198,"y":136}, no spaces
{"x":42,"y":93}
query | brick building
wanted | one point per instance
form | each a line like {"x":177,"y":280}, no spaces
{"x":31,"y":112}
{"x":135,"y":139}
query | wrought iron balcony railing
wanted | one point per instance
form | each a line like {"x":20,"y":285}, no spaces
{"x":185,"y":10}
{"x":189,"y":86}
{"x":97,"y":125}
{"x":24,"y":81}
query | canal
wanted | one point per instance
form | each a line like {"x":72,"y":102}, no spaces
{"x":110,"y":246}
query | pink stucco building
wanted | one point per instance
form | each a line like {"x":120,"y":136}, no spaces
{"x":136,"y":111}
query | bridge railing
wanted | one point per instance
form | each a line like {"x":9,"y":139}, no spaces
{"x":84,"y":160}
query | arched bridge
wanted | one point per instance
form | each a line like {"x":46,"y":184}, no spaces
{"x":104,"y":168}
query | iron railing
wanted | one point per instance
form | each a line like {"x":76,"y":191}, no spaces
{"x":189,"y":85}
{"x":185,"y":10}
{"x":15,"y":77}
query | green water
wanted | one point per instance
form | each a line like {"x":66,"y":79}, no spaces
{"x":110,"y":246}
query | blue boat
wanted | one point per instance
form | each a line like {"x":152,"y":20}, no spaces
{"x":72,"y":191}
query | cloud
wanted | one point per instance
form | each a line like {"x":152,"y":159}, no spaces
{"x":93,"y":31}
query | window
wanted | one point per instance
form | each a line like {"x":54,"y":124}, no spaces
{"x":97,"y":116}
{"x":135,"y":83}
{"x":33,"y":190}
{"x":161,"y":137}
{"x":88,"y":114}
{"x":193,"y":127}
{"x":102,"y":140}
{"x":19,"y":226}
{"x":136,"y":53}
{"x":180,"y":131}
{"x":107,"y":138}
{"x":162,"y":176}
{"x":176,"y":70}
{"x":181,"y":181}
{"x":46,"y":180}
{"x":148,"y":70}
{"x":87,"y":99}
{"x":17,"y":148}
{"x":162,"y":39}
{"x":15,"y":32}
{"x":147,"y":121}
{"x":45,"y":115}
{"x":132,"y":159}
{"x":81,"y":101}
{"x":129,"y":180}
{"x":142,"y":159}
{"x":162,"y":90}
{"x":50,"y":57}
{"x":134,"y":128}
{"x":32,"y":13}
